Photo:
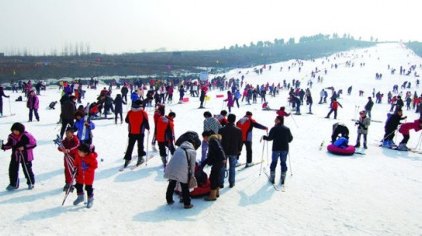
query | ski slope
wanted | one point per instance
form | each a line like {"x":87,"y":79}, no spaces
{"x":379,"y":193}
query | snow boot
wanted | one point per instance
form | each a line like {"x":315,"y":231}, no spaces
{"x":90,"y":202}
{"x":212,"y":196}
{"x":79,"y":199}
{"x":402,"y":147}
{"x":282,"y":177}
{"x":140,"y":161}
{"x":126,"y":163}
{"x":188,"y":206}
{"x":272,"y":177}
{"x":218,"y":193}
{"x":30,"y":186}
{"x":387,"y":144}
{"x":11,"y":188}
{"x":357,"y":145}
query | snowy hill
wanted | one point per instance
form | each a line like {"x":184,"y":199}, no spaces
{"x":379,"y":193}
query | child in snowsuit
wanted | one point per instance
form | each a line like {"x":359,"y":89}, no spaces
{"x":70,"y":148}
{"x":363,"y":124}
{"x":22,"y":143}
{"x":85,"y":164}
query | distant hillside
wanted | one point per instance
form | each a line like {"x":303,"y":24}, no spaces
{"x":416,"y":47}
{"x":165,"y":64}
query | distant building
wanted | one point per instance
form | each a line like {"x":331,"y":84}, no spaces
{"x":1,"y":54}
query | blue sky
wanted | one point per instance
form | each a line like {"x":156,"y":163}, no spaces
{"x":107,"y":26}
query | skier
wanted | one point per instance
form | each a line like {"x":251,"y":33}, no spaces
{"x":333,"y":108}
{"x":231,"y":141}
{"x":118,"y":108}
{"x":309,"y":100}
{"x":363,"y":124}
{"x":391,"y":125}
{"x":405,"y":130}
{"x":32,"y":104}
{"x":246,"y":124}
{"x":181,"y":167}
{"x":22,"y":144}
{"x":85,"y":163}
{"x":84,"y":128}
{"x":165,"y":135}
{"x":339,"y":128}
{"x":368,"y":107}
{"x":137,"y":120}
{"x":67,"y":115}
{"x":69,"y":147}
{"x":281,"y":137}
{"x":1,"y":99}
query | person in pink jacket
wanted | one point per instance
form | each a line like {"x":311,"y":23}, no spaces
{"x":33,"y":104}
{"x":405,"y":130}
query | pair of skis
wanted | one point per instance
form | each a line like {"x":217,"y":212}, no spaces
{"x":133,"y":167}
{"x":282,"y":187}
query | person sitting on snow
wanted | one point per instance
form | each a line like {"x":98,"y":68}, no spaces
{"x":282,"y":112}
{"x":405,"y":129}
{"x":339,"y":129}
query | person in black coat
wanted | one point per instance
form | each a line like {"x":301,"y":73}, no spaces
{"x":339,"y":128}
{"x":390,"y":127}
{"x":231,"y":141}
{"x":368,"y":107}
{"x":1,"y":99}
{"x":124,"y":91}
{"x":118,"y":108}
{"x":281,"y":137}
{"x":216,"y":159}
{"x":67,"y":115}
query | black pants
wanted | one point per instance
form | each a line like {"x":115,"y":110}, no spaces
{"x":162,"y":147}
{"x":65,"y":122}
{"x":116,"y":115}
{"x":331,"y":111}
{"x":185,"y":192}
{"x":88,"y":188}
{"x":14,"y":170}
{"x":132,"y":139}
{"x":389,"y":134}
{"x":35,"y":111}
{"x":248,"y":145}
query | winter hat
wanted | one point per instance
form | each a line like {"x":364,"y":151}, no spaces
{"x":18,"y":126}
{"x":85,"y":148}
{"x":137,"y":104}
{"x":362,"y":112}
{"x":248,"y":113}
{"x":79,"y":113}
{"x":231,"y":118}
{"x":71,"y":129}
{"x":282,"y":108}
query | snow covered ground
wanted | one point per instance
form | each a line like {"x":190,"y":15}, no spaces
{"x":379,"y":193}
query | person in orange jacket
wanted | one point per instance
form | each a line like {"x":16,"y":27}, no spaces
{"x":165,"y":135}
{"x":246,"y":124}
{"x":137,"y":120}
{"x":85,"y":163}
{"x":334,"y":106}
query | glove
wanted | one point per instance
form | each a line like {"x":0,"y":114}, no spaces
{"x":2,"y":147}
{"x":357,"y":123}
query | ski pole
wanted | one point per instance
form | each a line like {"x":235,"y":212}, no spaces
{"x":290,"y":165}
{"x":25,"y":168}
{"x":262,"y":157}
{"x":146,"y":158}
{"x":294,"y":121}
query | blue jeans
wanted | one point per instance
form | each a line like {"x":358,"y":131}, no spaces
{"x":232,"y":170}
{"x":283,"y":158}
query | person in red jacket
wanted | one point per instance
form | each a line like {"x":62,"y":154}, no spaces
{"x":85,"y":164}
{"x":137,"y":119}
{"x":282,"y":112}
{"x":159,"y":111}
{"x":405,"y":131}
{"x":165,"y":135}
{"x":334,"y":106}
{"x":70,"y":149}
{"x":246,"y":124}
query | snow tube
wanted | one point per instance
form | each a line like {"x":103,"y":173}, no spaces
{"x":219,"y":96}
{"x":185,"y":99}
{"x":202,"y":190}
{"x":349,"y":150}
